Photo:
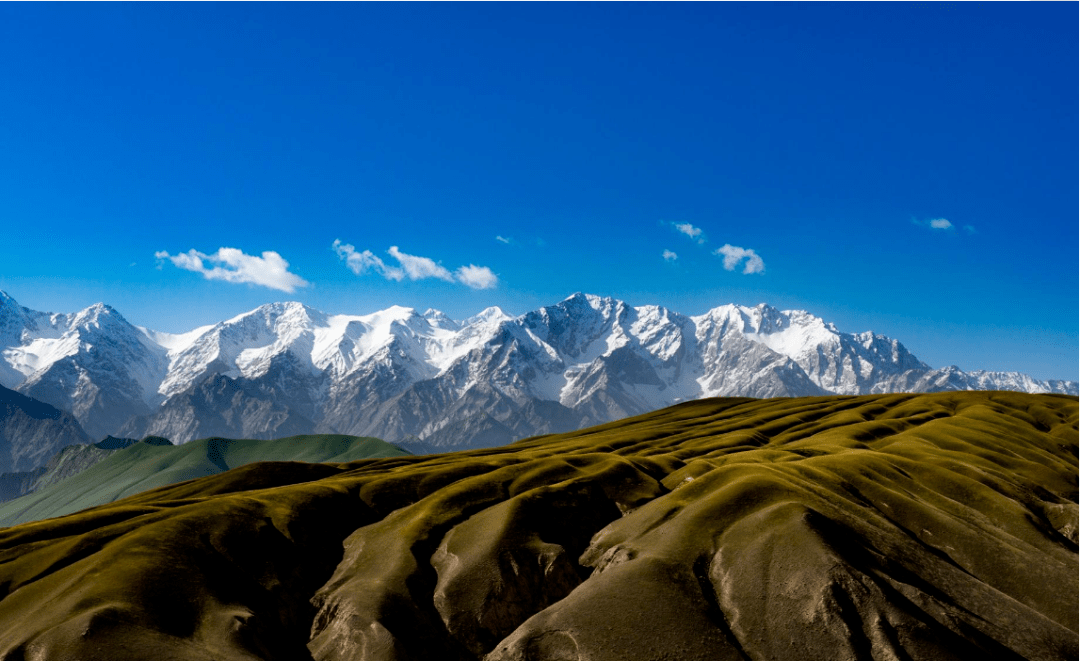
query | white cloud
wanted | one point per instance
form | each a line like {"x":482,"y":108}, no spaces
{"x":503,"y":239}
{"x":670,"y":256}
{"x":477,"y":277}
{"x":362,"y":262}
{"x":413,"y":267}
{"x":232,"y":265}
{"x":941,"y":225}
{"x":689,"y":230}
{"x":419,"y":268}
{"x":734,"y":254}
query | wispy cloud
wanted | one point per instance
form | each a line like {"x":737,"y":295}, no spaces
{"x":534,"y":242}
{"x":232,"y":265}
{"x":943,"y":225}
{"x":413,"y":267}
{"x":362,"y":262}
{"x":689,"y":230}
{"x":734,"y":254}
{"x":670,"y":256}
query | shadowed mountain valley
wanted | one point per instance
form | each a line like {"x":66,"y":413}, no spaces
{"x":907,"y":527}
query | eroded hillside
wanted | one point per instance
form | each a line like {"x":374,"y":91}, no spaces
{"x":936,"y":526}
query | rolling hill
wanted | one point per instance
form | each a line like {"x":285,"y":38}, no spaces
{"x":70,"y":460}
{"x":912,"y":527}
{"x":146,"y":465}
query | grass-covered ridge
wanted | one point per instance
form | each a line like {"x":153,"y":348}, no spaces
{"x":144,"y":466}
{"x":938,"y":526}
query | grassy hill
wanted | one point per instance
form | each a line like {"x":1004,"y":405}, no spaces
{"x":912,"y":527}
{"x":70,"y":460}
{"x":143,"y":466}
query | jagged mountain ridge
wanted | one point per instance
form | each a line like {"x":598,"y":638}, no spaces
{"x":429,"y":381}
{"x":92,"y":363}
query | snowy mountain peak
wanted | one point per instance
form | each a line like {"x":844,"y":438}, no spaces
{"x":288,"y":313}
{"x":395,"y":373}
{"x":95,"y":317}
{"x":764,"y":319}
{"x":599,"y":303}
{"x":578,"y":296}
{"x":439,"y":320}
{"x":389,"y":315}
{"x":491,"y":315}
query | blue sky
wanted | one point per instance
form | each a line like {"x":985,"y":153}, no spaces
{"x":906,"y":168}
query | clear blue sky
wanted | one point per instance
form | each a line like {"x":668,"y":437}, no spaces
{"x":906,"y":168}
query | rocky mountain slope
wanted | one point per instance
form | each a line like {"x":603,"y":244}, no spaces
{"x":431,"y":382}
{"x":32,"y":431}
{"x":919,"y":527}
{"x":92,"y":363}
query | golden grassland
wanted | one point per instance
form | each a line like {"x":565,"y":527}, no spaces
{"x":940,"y":526}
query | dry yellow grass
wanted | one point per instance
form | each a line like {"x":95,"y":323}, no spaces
{"x":938,"y":526}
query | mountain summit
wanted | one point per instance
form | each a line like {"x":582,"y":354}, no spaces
{"x":428,"y":381}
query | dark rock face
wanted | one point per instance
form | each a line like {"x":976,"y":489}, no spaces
{"x":13,"y":485}
{"x":32,"y":431}
{"x":917,"y":527}
{"x":223,"y":406}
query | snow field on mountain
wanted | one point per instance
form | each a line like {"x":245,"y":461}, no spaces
{"x":401,"y":374}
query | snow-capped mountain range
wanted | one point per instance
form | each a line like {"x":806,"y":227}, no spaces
{"x":429,"y":381}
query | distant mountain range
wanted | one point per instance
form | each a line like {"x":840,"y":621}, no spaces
{"x":429,"y":382}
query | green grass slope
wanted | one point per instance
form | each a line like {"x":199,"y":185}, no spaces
{"x":907,"y":527}
{"x":69,"y":461}
{"x":144,"y":466}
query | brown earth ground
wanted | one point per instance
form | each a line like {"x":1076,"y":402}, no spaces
{"x":891,"y":527}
